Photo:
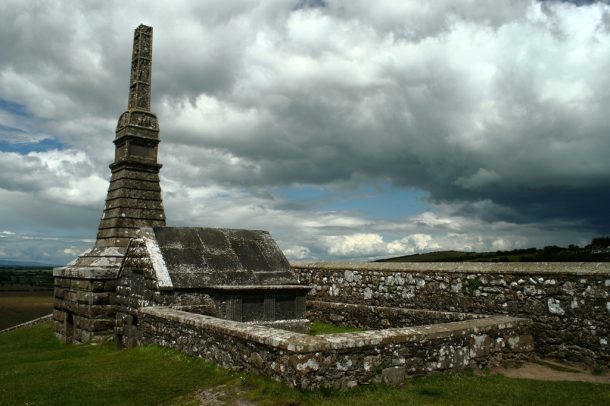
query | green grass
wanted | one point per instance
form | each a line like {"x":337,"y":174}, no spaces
{"x":319,"y":327}
{"x":19,"y":307}
{"x":37,"y":369}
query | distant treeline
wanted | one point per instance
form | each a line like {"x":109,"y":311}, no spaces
{"x":16,"y":278}
{"x":597,"y":251}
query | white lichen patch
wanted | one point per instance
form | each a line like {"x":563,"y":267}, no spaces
{"x":368,"y":293}
{"x":311,"y":364}
{"x":103,"y":261}
{"x":344,"y":366}
{"x":554,"y":306}
{"x":479,"y":340}
{"x":569,"y":288}
{"x":514,"y":342}
{"x":456,"y":287}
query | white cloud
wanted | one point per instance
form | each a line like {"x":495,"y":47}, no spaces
{"x":61,"y":176}
{"x":297,"y":252}
{"x":360,"y":244}
{"x":497,"y":110}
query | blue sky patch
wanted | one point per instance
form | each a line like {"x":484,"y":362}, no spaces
{"x":45,"y":144}
{"x":20,"y":140}
{"x":376,"y":201}
{"x":14,"y":108}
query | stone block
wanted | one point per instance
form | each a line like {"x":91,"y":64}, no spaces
{"x":97,"y":325}
{"x":480,"y":345}
{"x":394,"y":375}
{"x":95,"y":311}
{"x":521,"y":343}
{"x":59,"y":293}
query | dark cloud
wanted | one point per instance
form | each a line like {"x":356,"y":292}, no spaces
{"x":496,"y":111}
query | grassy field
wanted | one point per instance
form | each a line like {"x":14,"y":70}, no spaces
{"x":37,"y":369}
{"x":19,"y":307}
{"x":548,"y":254}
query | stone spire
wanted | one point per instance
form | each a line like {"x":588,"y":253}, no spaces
{"x":84,"y":308}
{"x":134,"y":195}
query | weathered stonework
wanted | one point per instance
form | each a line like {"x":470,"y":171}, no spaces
{"x":338,"y":360}
{"x":239,"y":275}
{"x":85,"y":289}
{"x":569,"y":303}
{"x":379,"y":317}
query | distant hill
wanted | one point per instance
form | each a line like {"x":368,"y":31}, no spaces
{"x":547,"y":254}
{"x":10,"y":263}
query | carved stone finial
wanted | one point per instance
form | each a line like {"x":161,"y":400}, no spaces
{"x":141,"y":63}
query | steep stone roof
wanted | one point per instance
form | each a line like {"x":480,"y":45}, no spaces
{"x":195,"y":257}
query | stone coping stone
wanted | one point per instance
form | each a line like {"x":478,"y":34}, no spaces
{"x":571,"y":268}
{"x":260,"y":287}
{"x":321,"y":304}
{"x":302,"y":343}
{"x":86,"y":273}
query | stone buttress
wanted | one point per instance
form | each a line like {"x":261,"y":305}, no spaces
{"x":85,"y":289}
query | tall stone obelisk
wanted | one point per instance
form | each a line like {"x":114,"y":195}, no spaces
{"x":85,"y":289}
{"x":134,"y":195}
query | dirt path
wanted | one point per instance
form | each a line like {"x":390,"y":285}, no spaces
{"x":549,"y":370}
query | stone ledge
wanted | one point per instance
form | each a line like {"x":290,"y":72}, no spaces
{"x":301,"y":343}
{"x":85,"y":273}
{"x":571,"y":268}
{"x":259,"y":287}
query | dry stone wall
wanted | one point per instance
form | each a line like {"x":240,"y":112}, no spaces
{"x":338,"y":360}
{"x":379,"y":317}
{"x":569,"y":303}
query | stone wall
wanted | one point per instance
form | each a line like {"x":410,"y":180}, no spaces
{"x":338,"y":360}
{"x":84,"y":305}
{"x":568,"y":302}
{"x":137,"y":287}
{"x":379,"y":317}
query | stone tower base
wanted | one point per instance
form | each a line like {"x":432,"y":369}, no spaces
{"x":85,"y":296}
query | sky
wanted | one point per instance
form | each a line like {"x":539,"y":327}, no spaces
{"x":348,"y":129}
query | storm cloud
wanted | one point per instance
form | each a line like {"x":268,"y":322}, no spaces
{"x":495,"y":110}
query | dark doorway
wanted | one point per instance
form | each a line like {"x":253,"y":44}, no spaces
{"x":69,"y":328}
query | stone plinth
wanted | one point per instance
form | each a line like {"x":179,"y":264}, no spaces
{"x":84,"y":305}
